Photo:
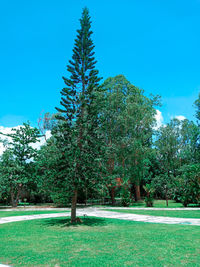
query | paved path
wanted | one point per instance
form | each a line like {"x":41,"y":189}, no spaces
{"x":143,"y":218}
{"x":98,"y":212}
{"x":31,"y":208}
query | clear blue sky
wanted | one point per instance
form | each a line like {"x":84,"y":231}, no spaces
{"x":155,"y":44}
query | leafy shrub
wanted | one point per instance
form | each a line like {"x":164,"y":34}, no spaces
{"x":125,"y":201}
{"x":61,"y":198}
{"x":187,"y":184}
{"x":149,"y":189}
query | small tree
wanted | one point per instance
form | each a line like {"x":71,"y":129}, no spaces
{"x":16,"y":160}
{"x":10,"y":178}
{"x":164,"y":185}
{"x":187,"y":184}
{"x":149,"y":189}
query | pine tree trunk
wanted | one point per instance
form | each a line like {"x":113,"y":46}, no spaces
{"x":73,"y":206}
{"x":137,"y":192}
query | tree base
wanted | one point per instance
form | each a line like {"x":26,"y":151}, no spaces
{"x":77,"y":220}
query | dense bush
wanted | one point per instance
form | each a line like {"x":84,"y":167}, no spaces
{"x":61,"y":197}
{"x":187,"y":184}
{"x":149,"y":189}
{"x":126,"y":200}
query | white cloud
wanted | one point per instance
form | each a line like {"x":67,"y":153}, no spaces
{"x":180,"y":117}
{"x":42,"y":140}
{"x":8,"y":130}
{"x":159,"y":119}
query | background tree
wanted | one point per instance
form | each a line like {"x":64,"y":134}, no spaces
{"x":128,"y":122}
{"x":189,"y":140}
{"x":52,"y":171}
{"x":15,"y":170}
{"x":10,"y":178}
{"x":177,"y":146}
{"x":113,"y":99}
{"x":187,"y":184}
{"x":197,"y":107}
{"x":138,"y":131}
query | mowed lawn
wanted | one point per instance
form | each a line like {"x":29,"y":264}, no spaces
{"x":98,"y":242}
{"x":162,"y":204}
{"x":158,"y":204}
{"x":29,"y":212}
{"x":193,"y":214}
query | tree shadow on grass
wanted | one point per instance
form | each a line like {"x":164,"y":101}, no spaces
{"x":66,"y":222}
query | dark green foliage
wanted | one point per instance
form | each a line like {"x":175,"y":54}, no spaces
{"x":129,"y":117}
{"x":149,"y":189}
{"x":164,"y":185}
{"x":125,"y":200}
{"x":79,"y":136}
{"x":177,"y":145}
{"x":52,"y":170}
{"x":78,"y":97}
{"x":61,"y":197}
{"x":16,"y":167}
{"x":169,"y":147}
{"x":11,"y":178}
{"x":187,"y":184}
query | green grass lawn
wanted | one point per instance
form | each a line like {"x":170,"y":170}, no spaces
{"x":158,"y":204}
{"x":162,"y":204}
{"x":166,"y":213}
{"x":98,"y":242}
{"x":30,"y":212}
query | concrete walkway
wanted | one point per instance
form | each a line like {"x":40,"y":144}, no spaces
{"x":143,"y":218}
{"x":31,"y":208}
{"x":99,"y":212}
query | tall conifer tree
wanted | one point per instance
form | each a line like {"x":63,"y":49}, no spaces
{"x":80,"y":113}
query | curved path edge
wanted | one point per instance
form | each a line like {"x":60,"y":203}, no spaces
{"x":96,"y":212}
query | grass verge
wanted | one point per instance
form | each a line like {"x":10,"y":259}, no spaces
{"x":30,"y":212}
{"x":98,"y":242}
{"x":158,"y":204}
